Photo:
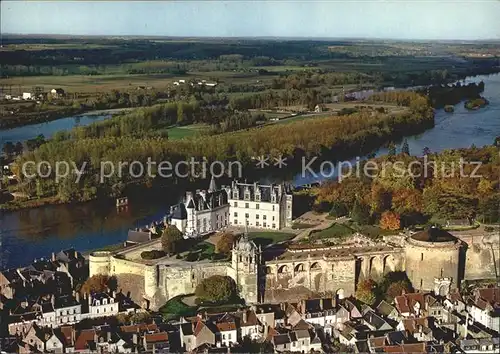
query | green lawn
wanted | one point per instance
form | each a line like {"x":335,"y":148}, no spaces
{"x":175,"y":308}
{"x":339,"y":231}
{"x":186,"y":131}
{"x":265,"y":238}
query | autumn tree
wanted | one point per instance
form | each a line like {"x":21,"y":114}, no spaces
{"x":390,"y":221}
{"x":99,"y":283}
{"x":170,"y":239}
{"x":216,"y":289}
{"x":367,"y":291}
{"x":225,"y":243}
{"x":394,"y":284}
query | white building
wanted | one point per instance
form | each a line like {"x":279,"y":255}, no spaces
{"x":101,"y":305}
{"x":252,"y":204}
{"x":485,"y":307}
{"x":27,"y":96}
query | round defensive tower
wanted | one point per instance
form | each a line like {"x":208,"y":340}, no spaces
{"x":99,"y":262}
{"x":432,"y":260}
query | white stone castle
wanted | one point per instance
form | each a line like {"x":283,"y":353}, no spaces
{"x":240,"y":204}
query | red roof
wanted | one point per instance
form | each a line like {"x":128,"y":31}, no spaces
{"x":156,"y":337}
{"x":87,"y":335}
{"x":406,"y":348}
{"x":226,"y":326}
{"x":142,"y":327}
{"x":406,"y":302}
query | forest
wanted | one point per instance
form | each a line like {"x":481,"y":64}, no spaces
{"x":122,"y":140}
{"x":417,"y":197}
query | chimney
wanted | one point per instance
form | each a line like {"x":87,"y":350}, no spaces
{"x":90,"y":300}
{"x":53,"y":257}
{"x":321,"y":304}
{"x":109,"y":335}
{"x":244,"y":316}
{"x":77,"y":297}
{"x":53,"y":300}
{"x":76,"y":254}
{"x":134,"y":338}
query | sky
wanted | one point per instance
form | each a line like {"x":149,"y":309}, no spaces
{"x":396,"y":19}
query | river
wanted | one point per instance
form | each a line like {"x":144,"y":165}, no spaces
{"x":29,"y":234}
{"x":47,"y":129}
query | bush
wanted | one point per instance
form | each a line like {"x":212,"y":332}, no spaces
{"x":153,"y":254}
{"x":216,"y":289}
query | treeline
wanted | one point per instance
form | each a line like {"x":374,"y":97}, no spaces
{"x":443,"y":95}
{"x":340,"y":136}
{"x":418,"y":195}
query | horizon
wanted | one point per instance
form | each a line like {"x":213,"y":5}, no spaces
{"x":329,"y":20}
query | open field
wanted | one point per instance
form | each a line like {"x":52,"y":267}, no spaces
{"x":185,"y":131}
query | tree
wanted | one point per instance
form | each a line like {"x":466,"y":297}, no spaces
{"x":394,"y":284}
{"x":367,"y":291}
{"x":360,"y":213}
{"x":170,"y":239}
{"x":390,"y":221}
{"x":216,"y":289}
{"x":225,"y":243}
{"x":405,"y":148}
{"x":392,"y":149}
{"x":99,"y":283}
{"x":8,"y":148}
{"x":338,"y":209}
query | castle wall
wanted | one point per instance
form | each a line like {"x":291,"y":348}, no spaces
{"x":290,"y":280}
{"x":176,"y":281}
{"x":482,"y":257}
{"x":426,"y":261}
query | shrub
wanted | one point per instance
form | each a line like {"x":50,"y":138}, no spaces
{"x":153,"y":254}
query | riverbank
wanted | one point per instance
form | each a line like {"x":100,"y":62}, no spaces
{"x":31,"y":118}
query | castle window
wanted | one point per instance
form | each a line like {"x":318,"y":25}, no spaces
{"x":421,"y":256}
{"x":421,"y":283}
{"x":246,"y":205}
{"x":235,"y":204}
{"x":257,"y":197}
{"x":235,"y":214}
{"x":235,"y":222}
{"x":257,"y":206}
{"x":274,"y":226}
{"x":257,"y":223}
{"x":273,"y":217}
{"x":264,"y":217}
{"x":273,"y":207}
{"x":246,"y":215}
{"x":257,"y":216}
{"x":264,"y":224}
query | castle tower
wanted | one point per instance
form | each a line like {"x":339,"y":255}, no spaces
{"x":246,"y":264}
{"x":433,"y":255}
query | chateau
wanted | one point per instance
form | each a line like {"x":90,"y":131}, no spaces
{"x":256,"y":205}
{"x":434,"y":260}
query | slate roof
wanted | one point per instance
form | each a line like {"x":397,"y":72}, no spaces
{"x":211,"y":200}
{"x":187,"y":328}
{"x":384,"y":308}
{"x":178,"y":212}
{"x":433,"y":234}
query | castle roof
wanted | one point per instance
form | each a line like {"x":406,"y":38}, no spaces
{"x":179,"y":212}
{"x":433,"y":234}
